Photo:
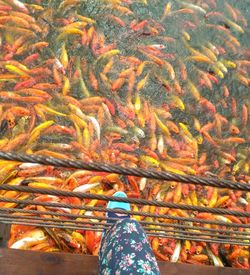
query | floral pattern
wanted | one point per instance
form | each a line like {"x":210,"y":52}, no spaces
{"x":125,"y":250}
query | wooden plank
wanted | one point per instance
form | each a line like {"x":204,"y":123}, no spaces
{"x":15,"y":262}
{"x":4,"y":234}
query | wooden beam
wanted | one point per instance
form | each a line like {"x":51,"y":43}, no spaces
{"x":40,"y":263}
{"x":4,"y":234}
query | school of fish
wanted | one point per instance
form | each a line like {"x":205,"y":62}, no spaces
{"x":154,"y":84}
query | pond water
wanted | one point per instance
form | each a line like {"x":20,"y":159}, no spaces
{"x":153,"y":84}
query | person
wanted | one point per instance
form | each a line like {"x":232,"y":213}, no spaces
{"x":124,"y":247}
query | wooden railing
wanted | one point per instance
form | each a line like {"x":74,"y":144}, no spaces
{"x":26,"y":262}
